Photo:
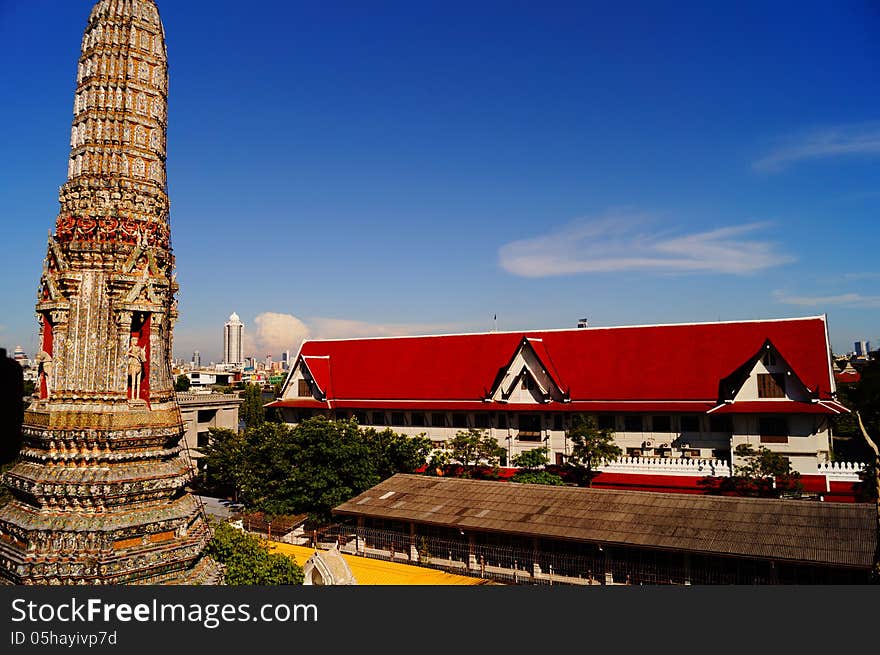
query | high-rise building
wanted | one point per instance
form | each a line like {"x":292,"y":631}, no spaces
{"x":197,"y":359}
{"x":233,"y":333}
{"x":862,"y":348}
{"x":285,"y":360}
{"x":99,"y":489}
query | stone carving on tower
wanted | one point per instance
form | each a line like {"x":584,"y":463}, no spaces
{"x":99,"y":488}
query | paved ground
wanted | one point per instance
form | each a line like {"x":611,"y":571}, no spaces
{"x":219,"y":507}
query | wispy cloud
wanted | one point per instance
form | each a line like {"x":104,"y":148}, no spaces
{"x":621,"y":242}
{"x":862,"y":276}
{"x":836,"y":141}
{"x":850,"y":300}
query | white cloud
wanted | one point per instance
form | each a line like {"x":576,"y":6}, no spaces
{"x":837,"y":141}
{"x":274,"y":332}
{"x":620,"y":242}
{"x":851,"y":300}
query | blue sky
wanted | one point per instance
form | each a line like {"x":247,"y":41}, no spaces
{"x":349,"y":169}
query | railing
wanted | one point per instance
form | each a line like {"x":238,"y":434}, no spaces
{"x":668,"y":466}
{"x":841,"y":471}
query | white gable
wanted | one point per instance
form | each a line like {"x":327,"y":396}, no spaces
{"x":526,"y":380}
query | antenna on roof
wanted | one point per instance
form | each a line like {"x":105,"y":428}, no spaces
{"x":495,"y":323}
{"x":583,"y":323}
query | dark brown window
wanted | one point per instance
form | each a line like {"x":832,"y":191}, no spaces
{"x":305,"y":389}
{"x":771,"y":385}
{"x":438,"y":420}
{"x":529,"y":427}
{"x":720,"y":424}
{"x":459,"y":420}
{"x":502,"y":421}
{"x":378,"y":418}
{"x":481,"y":420}
{"x":690,"y":423}
{"x":398,"y":418}
{"x":773,"y":429}
{"x":418,"y":419}
{"x":341,"y":415}
{"x":661,"y":423}
{"x":632,"y":423}
{"x":607,"y":421}
{"x":361,"y":417}
{"x":557,"y":422}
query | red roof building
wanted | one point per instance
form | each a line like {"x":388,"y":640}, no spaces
{"x":673,"y":391}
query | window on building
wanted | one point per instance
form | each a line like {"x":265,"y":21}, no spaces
{"x":438,"y":420}
{"x":379,"y":418}
{"x":690,"y":423}
{"x":303,"y":415}
{"x":558,"y":423}
{"x":206,"y":415}
{"x":607,"y":421}
{"x":398,"y":418}
{"x":632,"y":423}
{"x":773,"y":429}
{"x":661,"y":423}
{"x":529,"y":427}
{"x":361,"y":417}
{"x":502,"y":420}
{"x":418,"y":419}
{"x":720,"y":424}
{"x":459,"y":420}
{"x":304,"y":389}
{"x":771,"y":385}
{"x":202,"y":440}
{"x":340,"y":415}
{"x":481,"y":420}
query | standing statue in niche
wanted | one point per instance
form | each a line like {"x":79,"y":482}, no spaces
{"x":136,"y":358}
{"x":44,"y":371}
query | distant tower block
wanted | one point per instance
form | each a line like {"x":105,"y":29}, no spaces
{"x":233,"y":333}
{"x":99,"y":488}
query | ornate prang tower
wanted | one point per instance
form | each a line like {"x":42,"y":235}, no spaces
{"x":99,"y":492}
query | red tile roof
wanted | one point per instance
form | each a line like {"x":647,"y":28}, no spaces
{"x":648,"y":364}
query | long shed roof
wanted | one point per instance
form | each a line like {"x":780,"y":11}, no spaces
{"x":804,"y":531}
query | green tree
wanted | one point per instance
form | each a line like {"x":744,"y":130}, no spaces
{"x":396,"y":453}
{"x":591,"y":446}
{"x":223,"y":462}
{"x":182,"y":383}
{"x":533,"y":459}
{"x":252,"y":411}
{"x":248,"y":561}
{"x":30,"y":386}
{"x":472,"y":447}
{"x":531,"y":463}
{"x":763,"y":472}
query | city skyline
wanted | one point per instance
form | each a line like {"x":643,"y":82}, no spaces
{"x":351,"y":171}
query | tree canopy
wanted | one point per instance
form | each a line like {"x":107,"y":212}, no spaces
{"x":472,"y":447}
{"x":308,"y":468}
{"x":591,"y":446}
{"x":248,"y":560}
{"x":252,"y":411}
{"x":761,"y":473}
{"x":182,"y":383}
{"x":532,"y":463}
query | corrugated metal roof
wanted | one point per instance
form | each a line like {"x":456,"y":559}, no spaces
{"x":805,"y":531}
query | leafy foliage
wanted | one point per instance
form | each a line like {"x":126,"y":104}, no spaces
{"x":182,"y":383}
{"x":538,"y":477}
{"x":472,"y":447}
{"x":308,"y":468}
{"x":532,"y":459}
{"x":248,"y":560}
{"x":591,"y":446}
{"x":762,"y":473}
{"x":252,"y":411}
